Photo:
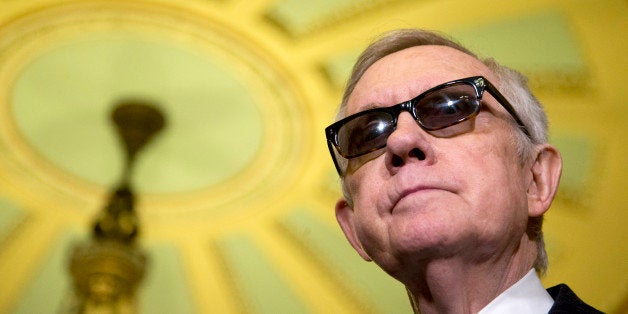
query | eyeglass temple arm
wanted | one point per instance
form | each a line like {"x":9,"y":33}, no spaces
{"x":506,"y":104}
{"x":334,"y":157}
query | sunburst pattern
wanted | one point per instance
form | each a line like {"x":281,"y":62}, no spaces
{"x":237,"y":193}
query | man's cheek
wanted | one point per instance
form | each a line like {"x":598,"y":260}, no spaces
{"x":355,"y":164}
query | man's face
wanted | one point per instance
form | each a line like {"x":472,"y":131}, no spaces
{"x":460,"y":192}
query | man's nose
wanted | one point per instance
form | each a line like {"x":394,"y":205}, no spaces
{"x":407,"y":144}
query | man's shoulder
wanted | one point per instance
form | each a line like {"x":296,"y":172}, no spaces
{"x":566,"y":301}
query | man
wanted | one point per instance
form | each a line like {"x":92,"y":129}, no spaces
{"x":446,"y":174}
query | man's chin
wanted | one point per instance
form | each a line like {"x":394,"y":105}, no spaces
{"x":420,"y":251}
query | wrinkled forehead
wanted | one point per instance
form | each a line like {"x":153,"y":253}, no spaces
{"x":405,"y":74}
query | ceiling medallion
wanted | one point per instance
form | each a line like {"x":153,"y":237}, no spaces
{"x":236,"y":122}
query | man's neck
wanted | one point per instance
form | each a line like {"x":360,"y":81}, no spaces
{"x":454,"y":286}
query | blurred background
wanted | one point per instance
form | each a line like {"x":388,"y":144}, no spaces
{"x":235,"y":195}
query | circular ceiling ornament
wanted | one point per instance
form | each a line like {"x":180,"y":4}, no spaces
{"x":235,"y":126}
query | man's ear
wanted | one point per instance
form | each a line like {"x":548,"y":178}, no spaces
{"x":344,"y":215}
{"x":546,"y":170}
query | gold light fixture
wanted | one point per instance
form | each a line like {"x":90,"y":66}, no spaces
{"x":108,"y":269}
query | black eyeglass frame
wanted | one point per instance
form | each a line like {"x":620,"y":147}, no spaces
{"x":479,"y":83}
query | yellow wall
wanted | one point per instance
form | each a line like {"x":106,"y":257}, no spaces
{"x":283,"y":63}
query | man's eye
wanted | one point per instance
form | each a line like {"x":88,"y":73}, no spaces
{"x":444,"y":110}
{"x":371,"y":135}
{"x":365,"y":133}
{"x":374,"y":129}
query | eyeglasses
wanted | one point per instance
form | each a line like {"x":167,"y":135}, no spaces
{"x":437,"y":108}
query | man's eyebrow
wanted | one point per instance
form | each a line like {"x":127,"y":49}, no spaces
{"x":372,"y":105}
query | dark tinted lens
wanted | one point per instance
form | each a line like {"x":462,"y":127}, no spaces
{"x":365,"y":133}
{"x":447,"y":106}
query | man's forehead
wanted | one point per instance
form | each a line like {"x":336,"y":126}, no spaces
{"x":402,"y":75}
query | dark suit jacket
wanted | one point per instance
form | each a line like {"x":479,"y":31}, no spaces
{"x":566,"y":301}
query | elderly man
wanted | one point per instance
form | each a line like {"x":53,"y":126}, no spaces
{"x":446,"y":174}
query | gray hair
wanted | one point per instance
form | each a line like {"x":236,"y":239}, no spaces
{"x":512,"y":84}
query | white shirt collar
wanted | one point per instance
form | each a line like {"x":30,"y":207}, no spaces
{"x":526,"y":296}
